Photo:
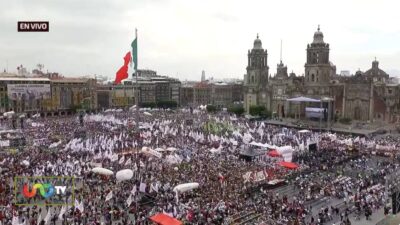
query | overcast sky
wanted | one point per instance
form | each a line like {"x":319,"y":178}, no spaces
{"x":180,"y":38}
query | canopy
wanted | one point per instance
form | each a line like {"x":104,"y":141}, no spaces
{"x":274,"y":153}
{"x":303,"y":99}
{"x":289,"y":165}
{"x":171,"y":149}
{"x":266,"y":145}
{"x":164,"y":219}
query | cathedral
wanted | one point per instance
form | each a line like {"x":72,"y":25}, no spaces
{"x":365,"y":96}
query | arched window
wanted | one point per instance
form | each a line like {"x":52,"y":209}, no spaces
{"x":312,"y":78}
{"x":252,"y":79}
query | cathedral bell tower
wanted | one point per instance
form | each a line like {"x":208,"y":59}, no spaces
{"x":257,"y":67}
{"x":256,"y":78}
{"x":318,"y":68}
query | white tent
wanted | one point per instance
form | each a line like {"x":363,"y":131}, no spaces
{"x":286,"y":152}
{"x":303,"y":99}
{"x":215,"y":151}
{"x":160,"y":150}
{"x":171,"y":149}
{"x":132,"y":108}
{"x":266,"y":145}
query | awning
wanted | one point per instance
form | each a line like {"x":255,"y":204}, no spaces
{"x":164,"y":219}
{"x":303,"y":99}
{"x":289,"y":165}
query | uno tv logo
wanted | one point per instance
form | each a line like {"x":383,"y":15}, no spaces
{"x":46,"y":190}
{"x":43,"y":191}
{"x":33,"y":26}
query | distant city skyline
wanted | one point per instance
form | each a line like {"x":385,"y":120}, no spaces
{"x":181,"y":38}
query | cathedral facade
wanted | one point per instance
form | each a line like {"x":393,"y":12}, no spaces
{"x":365,"y":96}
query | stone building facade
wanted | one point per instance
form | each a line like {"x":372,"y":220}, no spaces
{"x":364,"y":96}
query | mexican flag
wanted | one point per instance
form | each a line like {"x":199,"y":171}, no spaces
{"x":130,"y":57}
{"x":135,"y":52}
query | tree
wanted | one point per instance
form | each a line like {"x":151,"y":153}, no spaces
{"x":167,"y":104}
{"x":211,"y":108}
{"x":238,"y":110}
{"x":259,"y":110}
{"x":256,"y":110}
{"x":148,"y":104}
{"x":345,"y":120}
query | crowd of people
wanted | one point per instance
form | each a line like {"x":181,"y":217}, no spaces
{"x":343,"y":167}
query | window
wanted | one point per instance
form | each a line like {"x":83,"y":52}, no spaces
{"x":312,"y":78}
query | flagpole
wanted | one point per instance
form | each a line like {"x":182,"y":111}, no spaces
{"x":137,"y":123}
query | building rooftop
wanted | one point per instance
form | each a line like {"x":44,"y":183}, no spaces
{"x":23,"y":79}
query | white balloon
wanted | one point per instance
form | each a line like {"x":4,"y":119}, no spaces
{"x":124,"y":175}
{"x":185,"y":187}
{"x":102,"y":171}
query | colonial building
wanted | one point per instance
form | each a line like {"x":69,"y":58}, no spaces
{"x":70,"y":94}
{"x":50,"y":95}
{"x":202,"y":94}
{"x":365,"y":96}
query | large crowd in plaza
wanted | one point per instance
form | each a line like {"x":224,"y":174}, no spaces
{"x":176,"y":147}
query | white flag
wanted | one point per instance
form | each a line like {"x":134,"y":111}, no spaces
{"x":122,"y":160}
{"x":129,"y":200}
{"x":80,"y":206}
{"x":142,"y":187}
{"x":133,"y":190}
{"x":15,"y":220}
{"x":76,"y":203}
{"x":47,"y":218}
{"x":114,"y":158}
{"x":39,"y":219}
{"x":128,"y":162}
{"x":109,"y":196}
{"x":62,"y":211}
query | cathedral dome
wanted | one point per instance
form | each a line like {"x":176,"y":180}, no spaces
{"x":318,"y":37}
{"x":257,"y":43}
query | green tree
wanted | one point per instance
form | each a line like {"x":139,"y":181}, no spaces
{"x":238,"y":110}
{"x":345,"y":120}
{"x":148,"y":104}
{"x":211,"y":108}
{"x":259,"y":110}
{"x":167,"y":104}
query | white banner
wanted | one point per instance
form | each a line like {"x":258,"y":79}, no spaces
{"x":5,"y":143}
{"x":28,"y":92}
